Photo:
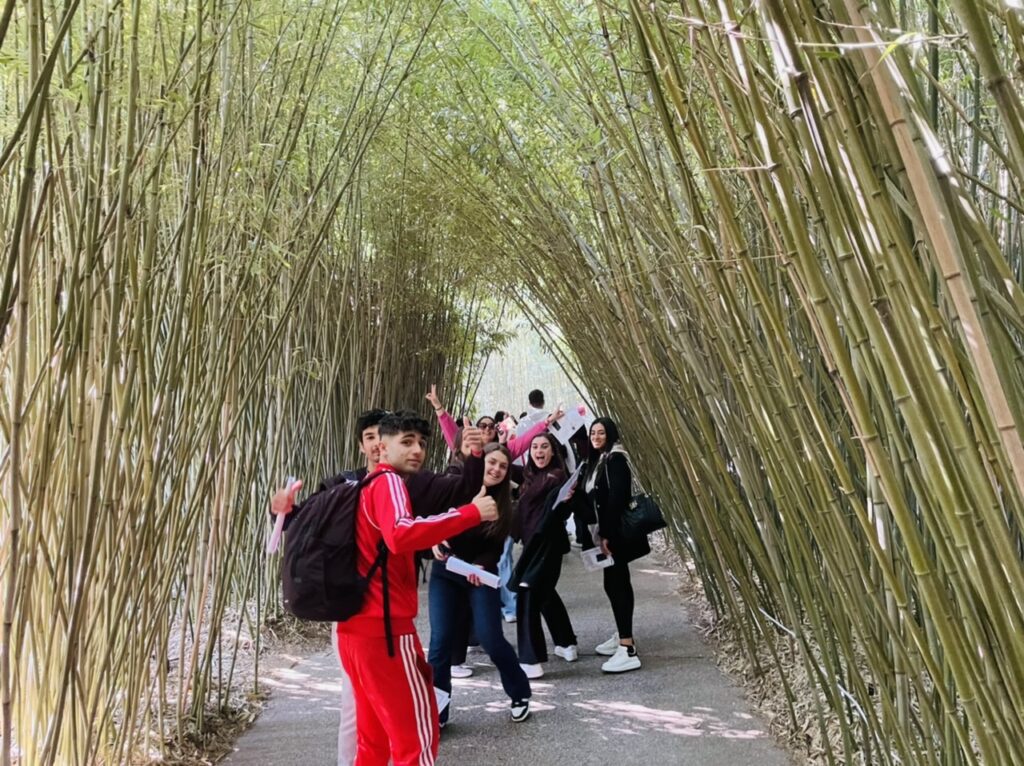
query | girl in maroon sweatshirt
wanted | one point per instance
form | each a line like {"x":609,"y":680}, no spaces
{"x":544,"y":474}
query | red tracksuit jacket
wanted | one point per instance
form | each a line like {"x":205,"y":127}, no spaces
{"x":385,"y":513}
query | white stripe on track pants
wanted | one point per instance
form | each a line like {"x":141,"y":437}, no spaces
{"x":396,"y":711}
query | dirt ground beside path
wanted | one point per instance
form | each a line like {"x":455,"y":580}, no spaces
{"x":678,"y":709}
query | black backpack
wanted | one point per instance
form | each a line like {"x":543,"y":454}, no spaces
{"x":319,"y":571}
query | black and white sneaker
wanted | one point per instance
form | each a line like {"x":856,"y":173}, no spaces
{"x":520,"y":710}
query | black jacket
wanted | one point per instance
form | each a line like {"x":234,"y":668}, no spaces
{"x":533,"y":493}
{"x":430,"y":493}
{"x":610,"y":495}
{"x":478,"y":547}
{"x":540,"y":562}
{"x":610,"y":498}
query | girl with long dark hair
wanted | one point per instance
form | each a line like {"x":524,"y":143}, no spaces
{"x":451,"y":595}
{"x":541,"y":565}
{"x":607,"y":488}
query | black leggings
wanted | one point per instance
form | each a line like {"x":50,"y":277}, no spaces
{"x":620,"y":593}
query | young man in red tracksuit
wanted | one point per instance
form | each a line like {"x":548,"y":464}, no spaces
{"x":396,"y":711}
{"x":430,"y":494}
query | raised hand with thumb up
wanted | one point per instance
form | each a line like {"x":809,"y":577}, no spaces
{"x":472,"y":439}
{"x":486,"y":505}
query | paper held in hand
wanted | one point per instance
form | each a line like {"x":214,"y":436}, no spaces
{"x":464,"y":568}
{"x":566,"y":488}
{"x":442,"y":697}
{"x":594,"y":559}
{"x":564,"y":429}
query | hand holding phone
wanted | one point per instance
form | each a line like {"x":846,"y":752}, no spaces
{"x":441,"y":551}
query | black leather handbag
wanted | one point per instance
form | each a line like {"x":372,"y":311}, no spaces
{"x":642,"y":517}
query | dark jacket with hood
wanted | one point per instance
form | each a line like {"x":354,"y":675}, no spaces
{"x":540,"y":563}
{"x":533,"y":491}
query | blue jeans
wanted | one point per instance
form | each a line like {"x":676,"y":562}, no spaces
{"x":508,"y":597}
{"x":450,"y":595}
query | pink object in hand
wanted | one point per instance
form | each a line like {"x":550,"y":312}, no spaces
{"x":275,"y":536}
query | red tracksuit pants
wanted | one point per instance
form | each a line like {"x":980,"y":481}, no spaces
{"x":396,"y":711}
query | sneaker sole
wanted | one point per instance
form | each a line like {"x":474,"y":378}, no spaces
{"x":520,"y":720}
{"x":605,"y":652}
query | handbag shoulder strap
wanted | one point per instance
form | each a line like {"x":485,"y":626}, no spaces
{"x":636,"y":488}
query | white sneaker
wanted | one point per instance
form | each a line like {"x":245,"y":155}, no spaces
{"x":532,"y":671}
{"x":509,"y":617}
{"x":567,"y":653}
{"x":609,"y":647}
{"x":622,"y":661}
{"x":461,"y":671}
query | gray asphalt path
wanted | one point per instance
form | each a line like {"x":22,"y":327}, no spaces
{"x":678,"y":709}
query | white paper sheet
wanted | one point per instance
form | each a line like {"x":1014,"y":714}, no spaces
{"x":570,"y":423}
{"x":442,"y":698}
{"x":564,"y":490}
{"x":464,"y":568}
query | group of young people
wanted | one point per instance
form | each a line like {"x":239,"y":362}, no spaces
{"x":389,"y":705}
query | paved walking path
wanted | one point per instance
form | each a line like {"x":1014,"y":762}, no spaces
{"x":678,"y":709}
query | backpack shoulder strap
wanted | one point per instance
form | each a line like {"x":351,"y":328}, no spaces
{"x":368,"y":479}
{"x":381,"y":562}
{"x":382,"y":549}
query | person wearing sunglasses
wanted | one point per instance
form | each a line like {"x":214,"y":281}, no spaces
{"x":489,"y":427}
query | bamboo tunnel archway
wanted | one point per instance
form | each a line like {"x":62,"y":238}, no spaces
{"x":780,"y":242}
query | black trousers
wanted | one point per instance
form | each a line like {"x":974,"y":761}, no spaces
{"x":619,"y":589}
{"x":531,"y":605}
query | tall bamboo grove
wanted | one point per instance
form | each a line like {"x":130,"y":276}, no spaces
{"x":782,"y":244}
{"x":197,"y":294}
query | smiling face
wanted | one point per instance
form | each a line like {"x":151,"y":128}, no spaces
{"x":404,"y":451}
{"x":541,"y":452}
{"x":495,"y":468}
{"x":598,"y":436}
{"x":489,"y":427}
